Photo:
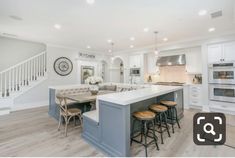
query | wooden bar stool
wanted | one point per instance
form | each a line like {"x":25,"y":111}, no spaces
{"x":145,"y":118}
{"x":171,"y":111}
{"x":161,"y":117}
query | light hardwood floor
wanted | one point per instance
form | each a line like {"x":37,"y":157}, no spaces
{"x":33,"y":133}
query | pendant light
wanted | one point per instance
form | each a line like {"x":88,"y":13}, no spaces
{"x":156,"y":52}
{"x":155,"y":48}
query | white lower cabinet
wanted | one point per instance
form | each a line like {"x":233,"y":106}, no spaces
{"x":195,"y":95}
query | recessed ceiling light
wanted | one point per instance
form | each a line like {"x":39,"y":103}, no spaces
{"x":212,"y":29}
{"x":14,"y":17}
{"x":165,"y":39}
{"x":90,"y":1}
{"x":146,"y":29}
{"x":88,"y":47}
{"x":131,"y":46}
{"x":109,"y":41}
{"x":202,"y":12}
{"x":110,"y":50}
{"x":57,"y":26}
{"x":132,"y":38}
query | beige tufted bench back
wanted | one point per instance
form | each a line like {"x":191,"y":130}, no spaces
{"x":70,"y":91}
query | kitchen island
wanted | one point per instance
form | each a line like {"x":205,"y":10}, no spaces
{"x":109,"y":127}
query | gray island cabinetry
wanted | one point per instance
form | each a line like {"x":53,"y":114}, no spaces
{"x":109,"y":127}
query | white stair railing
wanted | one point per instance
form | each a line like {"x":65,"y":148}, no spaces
{"x":21,"y":74}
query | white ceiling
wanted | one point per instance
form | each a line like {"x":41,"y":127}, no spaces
{"x":83,"y":24}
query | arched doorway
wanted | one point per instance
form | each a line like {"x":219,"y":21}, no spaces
{"x":117,"y":70}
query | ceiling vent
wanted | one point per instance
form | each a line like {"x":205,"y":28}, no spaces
{"x":216,"y":14}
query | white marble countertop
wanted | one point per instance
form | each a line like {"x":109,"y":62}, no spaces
{"x":129,"y":97}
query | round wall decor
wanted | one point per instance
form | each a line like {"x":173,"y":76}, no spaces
{"x":63,"y":66}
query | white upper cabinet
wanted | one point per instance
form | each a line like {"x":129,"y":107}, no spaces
{"x":215,"y":53}
{"x":229,"y":51}
{"x":194,"y":61}
{"x":135,"y":61}
{"x":151,"y":63}
{"x":221,"y":52}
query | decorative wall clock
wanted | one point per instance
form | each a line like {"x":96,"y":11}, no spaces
{"x":63,"y":66}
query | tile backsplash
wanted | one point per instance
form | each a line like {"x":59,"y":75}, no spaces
{"x":172,"y":74}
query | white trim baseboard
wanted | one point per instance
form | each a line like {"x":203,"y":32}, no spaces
{"x":17,"y":107}
{"x":4,"y":111}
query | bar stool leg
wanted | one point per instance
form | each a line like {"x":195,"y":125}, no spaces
{"x":154,"y":135}
{"x":172,"y":121}
{"x":165,"y":119}
{"x":176,"y":117}
{"x":160,"y":120}
{"x":145,"y":138}
{"x":132,"y":133}
{"x":142,"y":131}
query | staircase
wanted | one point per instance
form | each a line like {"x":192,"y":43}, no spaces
{"x":19,"y":78}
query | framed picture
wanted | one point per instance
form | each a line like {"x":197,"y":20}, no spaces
{"x":86,"y":71}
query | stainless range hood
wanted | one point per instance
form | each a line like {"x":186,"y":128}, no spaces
{"x":175,"y":60}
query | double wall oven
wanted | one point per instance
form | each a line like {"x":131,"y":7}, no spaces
{"x":222,"y":81}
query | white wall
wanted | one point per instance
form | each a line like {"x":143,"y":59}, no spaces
{"x":14,"y":51}
{"x":39,"y":95}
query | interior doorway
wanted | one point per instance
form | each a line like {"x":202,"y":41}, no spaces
{"x":117,"y":70}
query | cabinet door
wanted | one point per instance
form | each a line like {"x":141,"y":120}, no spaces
{"x":215,"y":53}
{"x":194,"y":61}
{"x":138,"y":60}
{"x":135,"y":61}
{"x":229,"y":51}
{"x":131,"y":61}
{"x":151,"y":63}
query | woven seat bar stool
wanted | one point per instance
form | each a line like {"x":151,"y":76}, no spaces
{"x":145,"y":118}
{"x":161,"y":118}
{"x":67,"y":113}
{"x":172,"y":112}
